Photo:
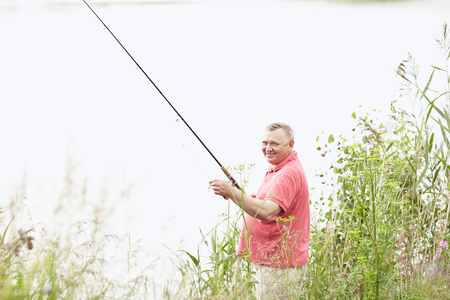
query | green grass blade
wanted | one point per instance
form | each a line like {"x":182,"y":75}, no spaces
{"x":428,"y":84}
{"x":2,"y":238}
{"x":193,"y":258}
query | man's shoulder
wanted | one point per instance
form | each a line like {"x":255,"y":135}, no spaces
{"x":293,"y":166}
{"x":291,"y":173}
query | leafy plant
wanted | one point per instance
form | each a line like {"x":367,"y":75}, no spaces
{"x":221,"y":274}
{"x":389,"y":203}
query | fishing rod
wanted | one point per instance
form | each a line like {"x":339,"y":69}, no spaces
{"x":167,"y":100}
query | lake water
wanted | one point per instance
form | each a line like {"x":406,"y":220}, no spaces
{"x":67,"y":89}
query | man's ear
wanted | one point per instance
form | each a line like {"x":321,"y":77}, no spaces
{"x":291,"y":144}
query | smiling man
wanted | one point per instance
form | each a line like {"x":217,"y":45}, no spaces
{"x":276,"y":238}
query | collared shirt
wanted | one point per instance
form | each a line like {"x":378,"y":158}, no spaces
{"x":283,"y":241}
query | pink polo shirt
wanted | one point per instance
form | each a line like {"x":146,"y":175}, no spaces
{"x":282,"y":244}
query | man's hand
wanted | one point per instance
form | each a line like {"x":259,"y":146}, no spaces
{"x":221,"y":188}
{"x":262,"y":209}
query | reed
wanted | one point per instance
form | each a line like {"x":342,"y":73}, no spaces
{"x":75,"y":260}
{"x":215,"y":272}
{"x":389,"y":206}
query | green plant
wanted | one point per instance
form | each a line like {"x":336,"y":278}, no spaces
{"x":72,"y":262}
{"x":221,"y":274}
{"x":389,"y":199}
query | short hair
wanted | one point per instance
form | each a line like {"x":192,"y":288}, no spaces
{"x":287,"y":129}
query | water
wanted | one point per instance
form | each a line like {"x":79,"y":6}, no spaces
{"x":67,"y":89}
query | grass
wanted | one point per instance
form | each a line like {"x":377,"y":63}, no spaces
{"x":73,"y":259}
{"x":389,"y":209}
{"x":381,"y":230}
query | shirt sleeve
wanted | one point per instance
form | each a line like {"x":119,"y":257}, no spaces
{"x":282,"y":191}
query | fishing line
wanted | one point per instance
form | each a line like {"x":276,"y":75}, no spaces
{"x":191,"y":154}
{"x":165,"y":98}
{"x":192,"y":157}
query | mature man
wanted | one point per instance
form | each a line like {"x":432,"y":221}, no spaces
{"x":276,"y":238}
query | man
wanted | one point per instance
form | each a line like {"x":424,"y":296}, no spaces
{"x":275,"y":236}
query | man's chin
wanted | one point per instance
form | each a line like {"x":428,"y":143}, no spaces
{"x":270,"y":160}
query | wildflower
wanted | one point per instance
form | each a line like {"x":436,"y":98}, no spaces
{"x":47,"y":289}
{"x":30,"y":242}
{"x":17,"y":248}
{"x":443,"y":244}
{"x":27,"y":239}
{"x":438,"y":254}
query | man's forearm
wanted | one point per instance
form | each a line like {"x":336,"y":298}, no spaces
{"x":260,"y":209}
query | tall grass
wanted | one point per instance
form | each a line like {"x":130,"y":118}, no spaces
{"x":218,"y":273}
{"x":74,"y":259}
{"x":389,"y":210}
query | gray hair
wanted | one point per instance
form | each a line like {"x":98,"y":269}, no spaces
{"x":287,"y":129}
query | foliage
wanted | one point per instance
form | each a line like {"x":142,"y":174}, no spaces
{"x":222,"y":274}
{"x":74,"y":263}
{"x":389,"y":208}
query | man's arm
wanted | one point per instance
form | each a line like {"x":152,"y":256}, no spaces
{"x":260,"y":209}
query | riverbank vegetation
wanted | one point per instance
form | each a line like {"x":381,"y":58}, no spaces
{"x":380,"y":228}
{"x":385,"y":232}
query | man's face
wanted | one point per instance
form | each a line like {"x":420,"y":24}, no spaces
{"x":276,"y":146}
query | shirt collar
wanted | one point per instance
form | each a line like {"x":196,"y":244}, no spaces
{"x":290,"y":157}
